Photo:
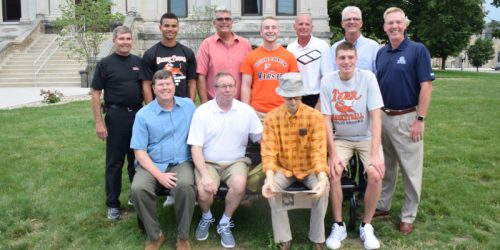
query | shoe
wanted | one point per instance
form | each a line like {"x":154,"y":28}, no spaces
{"x":113,"y":213}
{"x":381,"y":213}
{"x":226,"y":237}
{"x":182,"y":244}
{"x":285,"y":245}
{"x":155,"y":245}
{"x":337,"y":235}
{"x":129,"y":202}
{"x":367,"y":235}
{"x":169,"y":201}
{"x":318,"y":246}
{"x":405,"y":228}
{"x":202,"y":229}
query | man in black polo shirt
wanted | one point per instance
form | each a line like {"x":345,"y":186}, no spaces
{"x":170,"y":55}
{"x":118,"y":75}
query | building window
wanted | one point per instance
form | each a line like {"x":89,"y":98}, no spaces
{"x":286,"y":7}
{"x":178,"y":7}
{"x":252,"y":7}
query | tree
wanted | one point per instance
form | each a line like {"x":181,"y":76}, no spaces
{"x":444,"y":26}
{"x":82,"y":27}
{"x":481,"y":52}
{"x":495,"y":29}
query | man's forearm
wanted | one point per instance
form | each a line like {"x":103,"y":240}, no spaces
{"x":147,"y":92}
{"x":96,"y":106}
{"x":202,"y":88}
{"x":192,"y":89}
{"x":424,"y":99}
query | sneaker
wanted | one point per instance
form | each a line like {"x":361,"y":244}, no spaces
{"x":337,"y":235}
{"x":366,"y":234}
{"x":129,"y":202}
{"x":169,"y":201}
{"x":113,"y":213}
{"x":202,"y":229}
{"x":226,"y":237}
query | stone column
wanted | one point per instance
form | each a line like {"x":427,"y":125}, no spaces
{"x":25,"y":15}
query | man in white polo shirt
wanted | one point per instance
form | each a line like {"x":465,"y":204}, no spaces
{"x":218,"y":136}
{"x":313,"y":57}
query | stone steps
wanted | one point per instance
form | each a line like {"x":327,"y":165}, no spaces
{"x":59,"y":70}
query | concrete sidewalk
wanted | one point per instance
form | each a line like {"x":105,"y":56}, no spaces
{"x":30,"y":96}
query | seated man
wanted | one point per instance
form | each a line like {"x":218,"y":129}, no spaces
{"x":218,"y":137}
{"x":294,"y":149}
{"x":159,"y":139}
{"x":351,"y":99}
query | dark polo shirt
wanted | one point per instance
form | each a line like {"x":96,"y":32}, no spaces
{"x":400,"y":72}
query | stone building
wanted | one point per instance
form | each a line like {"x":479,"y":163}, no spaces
{"x":195,"y":16}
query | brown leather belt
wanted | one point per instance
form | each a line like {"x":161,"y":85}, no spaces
{"x":393,"y":112}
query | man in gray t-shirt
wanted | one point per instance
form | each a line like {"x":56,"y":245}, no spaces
{"x":351,"y":100}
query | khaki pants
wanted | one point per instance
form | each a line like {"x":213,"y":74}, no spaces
{"x":279,"y":216}
{"x":143,"y":193}
{"x":400,"y":150}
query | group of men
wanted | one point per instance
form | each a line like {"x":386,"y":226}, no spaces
{"x":310,"y":107}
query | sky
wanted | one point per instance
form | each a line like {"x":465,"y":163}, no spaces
{"x":494,"y":13}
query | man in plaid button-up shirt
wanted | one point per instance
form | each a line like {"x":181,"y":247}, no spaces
{"x":294,"y":149}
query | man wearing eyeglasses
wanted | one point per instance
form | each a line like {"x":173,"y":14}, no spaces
{"x":218,"y":137}
{"x":294,"y":149}
{"x":366,"y":48}
{"x":223,"y":51}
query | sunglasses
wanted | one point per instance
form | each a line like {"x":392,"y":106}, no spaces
{"x":221,"y":19}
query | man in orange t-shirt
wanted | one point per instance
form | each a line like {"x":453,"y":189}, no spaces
{"x":262,"y":70}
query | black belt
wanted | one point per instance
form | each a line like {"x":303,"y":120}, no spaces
{"x":124,"y":108}
{"x":393,"y":112}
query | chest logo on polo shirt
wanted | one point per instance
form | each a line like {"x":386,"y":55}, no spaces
{"x":344,"y":102}
{"x":401,"y":60}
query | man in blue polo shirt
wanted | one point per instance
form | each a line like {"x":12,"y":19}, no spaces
{"x":405,"y":77}
{"x":159,"y":140}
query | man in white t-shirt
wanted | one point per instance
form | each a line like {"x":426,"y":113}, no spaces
{"x":313,"y":57}
{"x":218,"y":136}
{"x":351,"y":100}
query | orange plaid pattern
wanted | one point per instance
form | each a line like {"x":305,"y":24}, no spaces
{"x":296,"y":145}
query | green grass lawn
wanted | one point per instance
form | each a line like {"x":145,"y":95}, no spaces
{"x":52,"y":182}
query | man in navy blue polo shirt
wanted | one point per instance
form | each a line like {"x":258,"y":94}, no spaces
{"x":405,"y":77}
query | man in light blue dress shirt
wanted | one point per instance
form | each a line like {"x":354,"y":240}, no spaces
{"x":366,"y":48}
{"x":159,"y":141}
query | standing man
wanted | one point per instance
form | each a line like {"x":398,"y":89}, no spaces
{"x":294,"y":149}
{"x":116,"y":74}
{"x":170,"y":55}
{"x":218,"y":137}
{"x":262,"y":70}
{"x":405,"y":77}
{"x":351,"y":99}
{"x":223,"y":51}
{"x":313,"y":57}
{"x":159,"y":141}
{"x":366,"y":48}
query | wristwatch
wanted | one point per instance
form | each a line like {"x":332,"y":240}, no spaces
{"x":420,"y":118}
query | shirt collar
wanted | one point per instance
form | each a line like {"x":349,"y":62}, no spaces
{"x":157,"y":109}
{"x":235,"y":37}
{"x":297,"y":114}
{"x":307,"y":45}
{"x":216,"y":109}
{"x":402,"y":45}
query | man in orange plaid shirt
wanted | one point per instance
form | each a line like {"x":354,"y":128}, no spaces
{"x":294,"y":149}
